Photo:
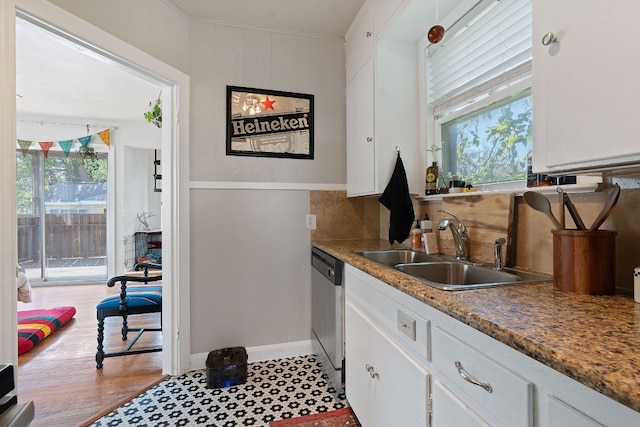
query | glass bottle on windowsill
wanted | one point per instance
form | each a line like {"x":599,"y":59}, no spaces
{"x":431,"y":180}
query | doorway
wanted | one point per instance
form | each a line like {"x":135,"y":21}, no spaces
{"x":71,"y":116}
{"x":175,"y":149}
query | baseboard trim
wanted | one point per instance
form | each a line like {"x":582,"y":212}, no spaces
{"x":261,"y":353}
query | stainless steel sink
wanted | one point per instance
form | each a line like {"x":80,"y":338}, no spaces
{"x":449,"y":274}
{"x":458,"y":276}
{"x":392,"y":257}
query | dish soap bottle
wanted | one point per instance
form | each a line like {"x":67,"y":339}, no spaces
{"x":416,"y":237}
{"x":431,"y":183}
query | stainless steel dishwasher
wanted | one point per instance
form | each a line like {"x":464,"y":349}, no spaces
{"x":327,"y":314}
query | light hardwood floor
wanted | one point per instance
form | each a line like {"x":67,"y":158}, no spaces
{"x":59,"y":375}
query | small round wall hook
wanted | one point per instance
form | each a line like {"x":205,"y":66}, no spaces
{"x":549,"y":38}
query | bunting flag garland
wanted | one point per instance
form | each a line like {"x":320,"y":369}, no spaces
{"x":85,"y":140}
{"x":105,"y":136}
{"x":24,"y":146}
{"x":45,"y":147}
{"x":65,"y":145}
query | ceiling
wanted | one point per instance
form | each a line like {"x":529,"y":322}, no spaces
{"x":59,"y":82}
{"x":327,"y":18}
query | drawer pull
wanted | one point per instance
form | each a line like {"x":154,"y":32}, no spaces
{"x":470,"y":379}
{"x":371,"y":371}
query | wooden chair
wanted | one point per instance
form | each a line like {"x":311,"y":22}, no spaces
{"x":141,"y":299}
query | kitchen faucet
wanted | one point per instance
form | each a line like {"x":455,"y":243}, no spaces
{"x":497,"y":253}
{"x":460,"y":235}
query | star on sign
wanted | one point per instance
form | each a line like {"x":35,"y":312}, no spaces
{"x":268,"y":104}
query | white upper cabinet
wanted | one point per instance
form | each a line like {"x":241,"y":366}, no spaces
{"x":359,"y":40}
{"x":382,"y":11}
{"x":360,"y":145}
{"x":585,"y":85}
{"x":382,"y":104}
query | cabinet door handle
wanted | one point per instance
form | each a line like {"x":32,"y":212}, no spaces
{"x":371,"y":371}
{"x":368,"y":34}
{"x":549,"y":38}
{"x":470,"y":379}
{"x":369,"y":139}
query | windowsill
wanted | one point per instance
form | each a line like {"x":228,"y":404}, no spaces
{"x":581,"y":187}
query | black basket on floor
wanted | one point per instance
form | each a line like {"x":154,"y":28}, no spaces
{"x":226,"y":367}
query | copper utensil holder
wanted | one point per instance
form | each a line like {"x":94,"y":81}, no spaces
{"x":584,"y":262}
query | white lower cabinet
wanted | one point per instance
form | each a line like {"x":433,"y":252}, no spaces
{"x":453,"y":411}
{"x":408,"y":364}
{"x":484,"y":386}
{"x":386,"y":387}
{"x":562,"y":414}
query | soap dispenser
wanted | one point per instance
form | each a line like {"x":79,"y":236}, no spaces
{"x":416,"y":237}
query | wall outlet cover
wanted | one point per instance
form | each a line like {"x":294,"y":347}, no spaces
{"x":311,"y":222}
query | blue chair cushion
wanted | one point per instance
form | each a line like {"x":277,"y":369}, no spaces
{"x":138,"y":296}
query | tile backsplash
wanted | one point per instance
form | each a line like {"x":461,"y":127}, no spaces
{"x":339,"y":217}
{"x":342,"y":218}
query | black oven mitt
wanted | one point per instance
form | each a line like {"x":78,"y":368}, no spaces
{"x":396,"y":198}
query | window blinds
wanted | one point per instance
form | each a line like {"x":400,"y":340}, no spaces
{"x":490,"y":45}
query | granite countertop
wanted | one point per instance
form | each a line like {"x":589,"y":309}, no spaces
{"x":592,"y":339}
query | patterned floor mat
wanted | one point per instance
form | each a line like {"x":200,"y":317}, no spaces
{"x":275,"y":389}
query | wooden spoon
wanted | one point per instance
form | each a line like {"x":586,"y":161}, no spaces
{"x":540,"y":203}
{"x":607,"y":208}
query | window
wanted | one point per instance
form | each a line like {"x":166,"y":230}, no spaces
{"x":491,"y":144}
{"x":478,"y":81}
{"x":61,"y":213}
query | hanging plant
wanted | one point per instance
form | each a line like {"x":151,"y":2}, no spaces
{"x":87,"y":153}
{"x":154,"y":115}
{"x":90,"y":161}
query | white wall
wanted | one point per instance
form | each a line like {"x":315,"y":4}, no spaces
{"x":8,"y":223}
{"x":150,"y":25}
{"x":250,"y":251}
{"x":248,"y":288}
{"x":134,"y":176}
{"x":251,"y":268}
{"x":221,"y":56}
{"x":50,"y":129}
{"x":133,"y":146}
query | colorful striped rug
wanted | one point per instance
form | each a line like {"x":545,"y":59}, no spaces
{"x":36,"y":325}
{"x":338,"y":418}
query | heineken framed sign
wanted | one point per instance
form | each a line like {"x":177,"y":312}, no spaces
{"x":269,"y":123}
